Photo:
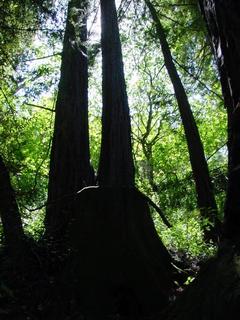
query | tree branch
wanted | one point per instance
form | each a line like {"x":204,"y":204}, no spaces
{"x":159,"y":211}
{"x":40,"y":107}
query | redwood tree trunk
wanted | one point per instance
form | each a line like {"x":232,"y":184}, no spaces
{"x":119,"y":265}
{"x":70,"y":168}
{"x":205,"y":195}
{"x":116,"y":162}
{"x":9,"y":213}
{"x":223,"y":22}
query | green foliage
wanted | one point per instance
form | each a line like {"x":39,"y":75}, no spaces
{"x":30,"y":62}
{"x":19,"y":21}
{"x":34,"y":224}
{"x":95,"y":115}
{"x":25,"y":143}
{"x":186,"y":234}
{"x":160,"y":150}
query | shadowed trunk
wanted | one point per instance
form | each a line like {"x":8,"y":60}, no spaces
{"x":204,"y":189}
{"x":70,"y":168}
{"x":119,"y":264}
{"x":214,"y":294}
{"x":9,"y":213}
{"x":222,"y":18}
{"x":116,"y":163}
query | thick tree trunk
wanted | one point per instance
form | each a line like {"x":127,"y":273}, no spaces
{"x":116,"y":162}
{"x":119,"y":264}
{"x":70,"y":168}
{"x":204,"y":189}
{"x":222,"y":18}
{"x":9,"y":213}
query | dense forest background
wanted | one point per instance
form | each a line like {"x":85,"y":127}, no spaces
{"x":29,"y":82}
{"x":179,"y":134}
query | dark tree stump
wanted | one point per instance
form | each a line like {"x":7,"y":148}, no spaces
{"x":215,"y":293}
{"x":119,"y":264}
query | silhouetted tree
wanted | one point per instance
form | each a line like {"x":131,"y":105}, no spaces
{"x":222,"y":18}
{"x":9,"y":213}
{"x":70,"y":168}
{"x":116,"y":162}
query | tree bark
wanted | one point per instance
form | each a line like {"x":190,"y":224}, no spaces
{"x":204,"y":189}
{"x":9,"y":213}
{"x":222,"y":18}
{"x":119,"y":264}
{"x":70,"y":168}
{"x":116,"y":166}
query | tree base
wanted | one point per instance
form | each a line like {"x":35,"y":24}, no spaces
{"x":118,"y":263}
{"x":215,"y":293}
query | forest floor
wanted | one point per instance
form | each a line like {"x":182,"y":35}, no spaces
{"x":32,"y":286}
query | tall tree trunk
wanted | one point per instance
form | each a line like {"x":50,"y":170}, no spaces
{"x":116,"y":166}
{"x":222,"y":18}
{"x":204,"y":189}
{"x":119,"y":264}
{"x":70,"y":168}
{"x":9,"y":213}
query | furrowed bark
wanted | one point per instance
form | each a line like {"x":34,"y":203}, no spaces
{"x":70,"y":168}
{"x":116,"y":166}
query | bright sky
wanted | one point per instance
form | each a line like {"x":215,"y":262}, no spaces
{"x":96,"y":27}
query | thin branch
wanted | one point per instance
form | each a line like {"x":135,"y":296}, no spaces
{"x":121,"y":10}
{"x":177,"y":5}
{"x":149,"y":120}
{"x":157,"y":136}
{"x":35,"y":209}
{"x":63,"y":197}
{"x":48,"y":146}
{"x":197,"y":79}
{"x":30,"y":29}
{"x":169,"y":18}
{"x":40,"y":107}
{"x":157,"y":208}
{"x":94,"y":20}
{"x":219,"y":148}
{"x":44,"y":57}
{"x":8,"y":102}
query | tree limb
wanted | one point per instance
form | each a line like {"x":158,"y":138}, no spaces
{"x":159,"y":211}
